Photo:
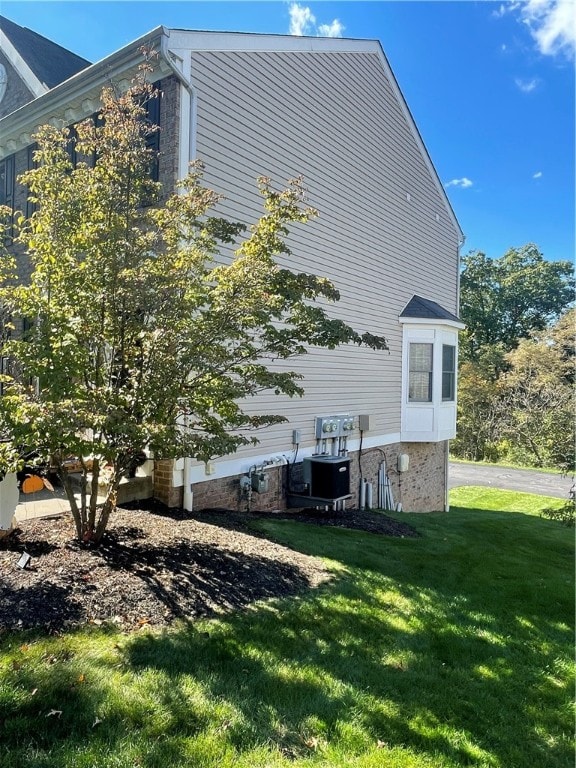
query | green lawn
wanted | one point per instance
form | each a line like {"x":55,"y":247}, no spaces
{"x":450,"y":650}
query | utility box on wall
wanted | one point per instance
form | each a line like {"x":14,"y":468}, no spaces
{"x":327,"y":477}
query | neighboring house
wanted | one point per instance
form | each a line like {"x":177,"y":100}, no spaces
{"x":329,"y":109}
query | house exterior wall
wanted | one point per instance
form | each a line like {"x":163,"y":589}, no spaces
{"x":168,"y":162}
{"x":383,"y":232}
{"x":169,"y":134}
{"x":420,"y":489}
{"x":17,"y":93}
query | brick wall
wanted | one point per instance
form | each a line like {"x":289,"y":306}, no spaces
{"x":169,"y":133}
{"x":163,"y":488}
{"x":420,"y":489}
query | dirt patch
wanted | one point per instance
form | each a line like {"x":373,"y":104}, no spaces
{"x":155,"y":565}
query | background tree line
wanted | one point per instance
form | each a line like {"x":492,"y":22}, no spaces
{"x":516,"y":376}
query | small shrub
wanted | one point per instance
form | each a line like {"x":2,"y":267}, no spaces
{"x":566,"y":514}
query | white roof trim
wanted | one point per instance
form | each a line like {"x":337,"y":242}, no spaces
{"x":431,"y":322}
{"x":34,"y":85}
{"x":252,"y":41}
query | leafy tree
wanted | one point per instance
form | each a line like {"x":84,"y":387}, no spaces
{"x":538,"y":399}
{"x":141,"y":338}
{"x":479,"y":433}
{"x":503,"y":300}
{"x":526,"y":413}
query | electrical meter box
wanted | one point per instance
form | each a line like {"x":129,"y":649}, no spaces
{"x":260,"y":482}
{"x":327,"y":477}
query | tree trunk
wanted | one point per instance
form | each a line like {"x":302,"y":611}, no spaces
{"x":65,"y":479}
{"x":108,"y":508}
{"x":94,"y":494}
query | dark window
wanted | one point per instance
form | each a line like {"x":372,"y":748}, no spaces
{"x":420,"y":374}
{"x":7,"y":189}
{"x":71,"y":145}
{"x":30,"y":163}
{"x":153,"y":139}
{"x":448,"y":372}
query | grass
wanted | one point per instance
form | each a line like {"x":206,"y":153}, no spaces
{"x":453,"y":649}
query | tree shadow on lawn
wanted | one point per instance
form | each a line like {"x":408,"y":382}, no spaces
{"x":130,"y":578}
{"x":468,"y":675}
{"x":457,"y":674}
{"x":203,"y":578}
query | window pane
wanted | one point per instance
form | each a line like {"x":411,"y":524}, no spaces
{"x":420,"y":375}
{"x":448,"y":357}
{"x":420,"y":357}
{"x":448,"y":372}
{"x":420,"y":387}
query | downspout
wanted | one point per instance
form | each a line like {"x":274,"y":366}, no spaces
{"x":187,"y":125}
{"x":446,"y":470}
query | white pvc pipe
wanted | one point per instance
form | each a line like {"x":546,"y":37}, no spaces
{"x":188,"y":500}
{"x":362,"y":493}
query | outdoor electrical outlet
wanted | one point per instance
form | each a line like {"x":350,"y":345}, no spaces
{"x":296,"y":437}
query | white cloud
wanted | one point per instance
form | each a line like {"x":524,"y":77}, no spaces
{"x":527,"y":86}
{"x":504,"y":9}
{"x":537,"y":175}
{"x":335,"y":29}
{"x":303,"y":22}
{"x":301,"y":19}
{"x":552,"y":23}
{"x":464,"y":183}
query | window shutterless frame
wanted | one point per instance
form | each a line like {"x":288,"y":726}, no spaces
{"x":448,"y":372}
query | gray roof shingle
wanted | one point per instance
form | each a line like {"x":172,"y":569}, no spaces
{"x":51,"y":63}
{"x":426,"y":309}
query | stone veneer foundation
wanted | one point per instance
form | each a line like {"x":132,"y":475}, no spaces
{"x":422,"y":487}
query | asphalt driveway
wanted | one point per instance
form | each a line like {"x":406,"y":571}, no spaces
{"x":524,"y":480}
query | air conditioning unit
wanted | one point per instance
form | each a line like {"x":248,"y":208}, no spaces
{"x":327,"y":477}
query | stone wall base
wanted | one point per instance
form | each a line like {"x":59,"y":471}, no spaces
{"x":420,"y":489}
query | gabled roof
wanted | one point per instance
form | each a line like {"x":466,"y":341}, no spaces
{"x":49,"y":62}
{"x":426,"y":309}
{"x":80,"y":93}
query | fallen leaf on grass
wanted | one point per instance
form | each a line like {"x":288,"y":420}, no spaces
{"x":96,"y":722}
{"x":33,"y":692}
{"x":54,"y":712}
{"x":381,"y":744}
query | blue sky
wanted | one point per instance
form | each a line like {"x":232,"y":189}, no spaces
{"x":490,"y":85}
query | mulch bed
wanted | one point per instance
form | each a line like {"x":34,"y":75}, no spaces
{"x":155,"y":565}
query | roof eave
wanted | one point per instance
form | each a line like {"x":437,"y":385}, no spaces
{"x":78,"y":93}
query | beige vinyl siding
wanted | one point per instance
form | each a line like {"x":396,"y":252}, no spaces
{"x":334,"y":118}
